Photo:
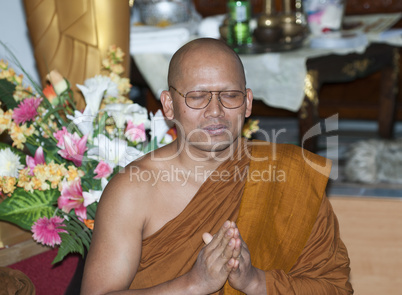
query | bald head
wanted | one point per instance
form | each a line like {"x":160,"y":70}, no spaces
{"x":201,"y":48}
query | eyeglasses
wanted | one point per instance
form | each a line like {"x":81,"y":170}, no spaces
{"x":230,"y":99}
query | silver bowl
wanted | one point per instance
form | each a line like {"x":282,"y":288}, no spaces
{"x":157,"y":12}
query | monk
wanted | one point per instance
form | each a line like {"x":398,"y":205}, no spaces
{"x":212,"y":213}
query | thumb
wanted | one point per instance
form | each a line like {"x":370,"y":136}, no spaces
{"x":207,"y":238}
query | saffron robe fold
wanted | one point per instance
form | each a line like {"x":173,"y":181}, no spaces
{"x":291,"y":231}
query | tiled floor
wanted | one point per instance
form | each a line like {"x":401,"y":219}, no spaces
{"x":333,"y":142}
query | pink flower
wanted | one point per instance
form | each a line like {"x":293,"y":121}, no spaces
{"x":103,"y":170}
{"x":71,"y":197}
{"x":59,"y":135}
{"x":27,"y":110}
{"x":38,"y":159}
{"x":135,"y":133}
{"x":46,"y":231}
{"x":72,"y":146}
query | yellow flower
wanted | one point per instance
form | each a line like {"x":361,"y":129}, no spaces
{"x":56,"y":173}
{"x":114,"y":58}
{"x":117,"y":69}
{"x":7,"y":74}
{"x":41,"y":172}
{"x":106,"y":63}
{"x":3,"y":64}
{"x":73,"y":173}
{"x":17,"y":135}
{"x":22,"y":92}
{"x":24,"y":180}
{"x":7,"y":184}
{"x":119,"y":54}
{"x":45,"y":173}
{"x":123,"y":84}
{"x":23,"y":175}
{"x":18,"y":79}
{"x":115,"y":54}
{"x":250,"y":127}
{"x":39,"y":184}
{"x":5,"y":120}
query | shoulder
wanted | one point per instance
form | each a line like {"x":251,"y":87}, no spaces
{"x":129,"y":183}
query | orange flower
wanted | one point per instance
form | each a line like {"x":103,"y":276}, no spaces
{"x":89,"y":223}
{"x":49,"y":93}
{"x":59,"y":83}
{"x":172,"y":132}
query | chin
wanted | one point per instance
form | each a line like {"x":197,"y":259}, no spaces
{"x":216,"y":145}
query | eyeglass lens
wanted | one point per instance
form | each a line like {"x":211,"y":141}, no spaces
{"x":229,"y":99}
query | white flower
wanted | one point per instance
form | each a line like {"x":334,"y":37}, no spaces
{"x":113,"y":152}
{"x":166,"y":139}
{"x":159,"y":127}
{"x":94,"y":89}
{"x":94,"y":196}
{"x":122,"y":112}
{"x":9,"y":163}
{"x":83,"y":121}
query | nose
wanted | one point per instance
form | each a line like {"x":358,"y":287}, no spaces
{"x":215,"y":107}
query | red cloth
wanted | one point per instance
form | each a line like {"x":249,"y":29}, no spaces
{"x":48,"y":278}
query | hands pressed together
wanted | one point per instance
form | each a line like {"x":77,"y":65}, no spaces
{"x":226,"y":258}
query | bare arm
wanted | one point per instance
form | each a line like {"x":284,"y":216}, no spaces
{"x":115,"y":249}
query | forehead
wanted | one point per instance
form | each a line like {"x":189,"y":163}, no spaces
{"x":209,"y":67}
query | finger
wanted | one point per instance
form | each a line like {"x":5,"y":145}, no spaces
{"x":207,"y":238}
{"x":236,"y":232}
{"x":237,"y":248}
{"x":228,"y":266}
{"x":227,"y":252}
{"x":238,"y":235}
{"x":217,"y":238}
{"x":236,"y":266}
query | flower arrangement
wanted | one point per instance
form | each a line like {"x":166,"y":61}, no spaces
{"x":57,"y":160}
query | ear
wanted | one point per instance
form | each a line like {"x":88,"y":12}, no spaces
{"x":249,"y":102}
{"x":167,"y":104}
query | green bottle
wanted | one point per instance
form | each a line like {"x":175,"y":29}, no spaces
{"x":239,"y":22}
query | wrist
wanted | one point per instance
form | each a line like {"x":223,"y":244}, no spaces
{"x":191,"y":286}
{"x":258,"y":283}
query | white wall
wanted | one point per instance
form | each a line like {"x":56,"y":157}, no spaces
{"x":14,"y":33}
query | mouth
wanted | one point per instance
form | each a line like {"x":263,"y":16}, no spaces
{"x":217,"y":129}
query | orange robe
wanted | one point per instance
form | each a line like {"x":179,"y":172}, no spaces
{"x":277,"y":202}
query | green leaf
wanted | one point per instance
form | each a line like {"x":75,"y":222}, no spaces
{"x":101,"y":125}
{"x":91,"y":210}
{"x":76,"y":240}
{"x":152,"y":145}
{"x":50,"y":150}
{"x":24,"y":208}
{"x":6,"y":93}
{"x":18,"y":64}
